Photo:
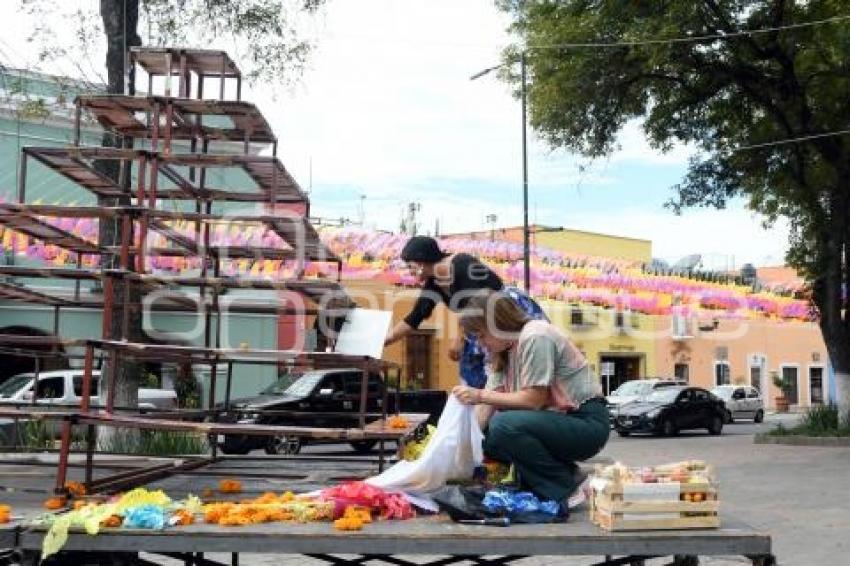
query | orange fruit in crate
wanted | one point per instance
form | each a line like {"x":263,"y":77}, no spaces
{"x":697,"y":497}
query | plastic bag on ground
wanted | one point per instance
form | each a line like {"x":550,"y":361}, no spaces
{"x":452,"y":454}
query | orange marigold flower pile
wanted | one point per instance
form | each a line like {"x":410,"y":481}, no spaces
{"x":230,"y":486}
{"x":353,"y":518}
{"x":113,"y":521}
{"x":267,"y":508}
{"x":184,"y":517}
{"x":5,"y":513}
{"x":55,"y":503}
{"x":348,"y":524}
{"x":75,"y":488}
{"x":397,"y":421}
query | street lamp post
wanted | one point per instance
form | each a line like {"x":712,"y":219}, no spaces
{"x":526,"y":247}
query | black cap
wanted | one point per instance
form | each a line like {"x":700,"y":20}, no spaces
{"x":422,"y":249}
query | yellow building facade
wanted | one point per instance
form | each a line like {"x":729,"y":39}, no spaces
{"x":571,"y":241}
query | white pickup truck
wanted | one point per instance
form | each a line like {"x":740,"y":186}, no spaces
{"x":64,"y":387}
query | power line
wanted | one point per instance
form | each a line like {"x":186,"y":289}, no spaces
{"x":787,"y":141}
{"x":689,"y":39}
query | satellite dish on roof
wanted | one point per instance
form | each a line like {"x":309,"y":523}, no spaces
{"x":688,"y":263}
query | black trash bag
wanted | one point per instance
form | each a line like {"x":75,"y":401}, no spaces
{"x":463,"y":503}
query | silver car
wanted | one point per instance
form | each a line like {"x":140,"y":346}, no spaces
{"x":742,"y":402}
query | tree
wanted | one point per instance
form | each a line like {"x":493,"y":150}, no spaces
{"x":270,"y":48}
{"x":759,"y":88}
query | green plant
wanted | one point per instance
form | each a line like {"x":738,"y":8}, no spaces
{"x":156,"y":443}
{"x":34,"y":434}
{"x":150,"y":380}
{"x":821,"y":418}
{"x":781,"y":382}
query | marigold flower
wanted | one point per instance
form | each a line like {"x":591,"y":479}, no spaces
{"x":75,"y":488}
{"x":57,"y":502}
{"x":362,"y":514}
{"x":348,"y":524}
{"x":397,"y":421}
{"x":184,"y":517}
{"x":230,"y":486}
{"x":112,"y":521}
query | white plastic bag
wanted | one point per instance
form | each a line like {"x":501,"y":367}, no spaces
{"x":452,"y":454}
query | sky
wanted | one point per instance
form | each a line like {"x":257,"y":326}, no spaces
{"x":386,"y":115}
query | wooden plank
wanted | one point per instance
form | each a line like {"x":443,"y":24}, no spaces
{"x":127,"y":421}
{"x":710,"y":488}
{"x":657,"y":507}
{"x":435,"y":535}
{"x":619,"y":524}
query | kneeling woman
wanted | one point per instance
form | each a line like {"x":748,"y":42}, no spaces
{"x":542,"y":409}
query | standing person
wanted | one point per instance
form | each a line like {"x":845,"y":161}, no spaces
{"x":450,"y":279}
{"x":542,"y":409}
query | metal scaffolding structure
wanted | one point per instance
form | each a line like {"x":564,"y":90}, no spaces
{"x":151,"y":176}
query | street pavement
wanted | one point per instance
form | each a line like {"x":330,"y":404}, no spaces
{"x":798,"y":494}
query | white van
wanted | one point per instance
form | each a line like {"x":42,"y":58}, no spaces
{"x":65,"y":386}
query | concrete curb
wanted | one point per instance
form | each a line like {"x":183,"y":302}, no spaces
{"x":799,"y":440}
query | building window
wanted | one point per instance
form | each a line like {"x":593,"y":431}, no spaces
{"x":755,"y":377}
{"x":681,"y":371}
{"x":576,"y":317}
{"x":790,"y":373}
{"x":721,"y":373}
{"x":624,"y":320}
{"x":816,"y":385}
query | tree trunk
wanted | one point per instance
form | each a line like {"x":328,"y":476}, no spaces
{"x":121,"y":34}
{"x":829,"y":295}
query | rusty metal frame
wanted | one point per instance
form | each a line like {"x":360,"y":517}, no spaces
{"x":273,"y":182}
{"x":203,"y":63}
{"x":183,"y":119}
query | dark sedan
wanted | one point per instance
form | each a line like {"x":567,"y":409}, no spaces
{"x":669,"y":410}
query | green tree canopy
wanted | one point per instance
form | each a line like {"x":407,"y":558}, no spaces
{"x":758,"y":88}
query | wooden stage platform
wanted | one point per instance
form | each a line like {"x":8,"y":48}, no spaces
{"x":387,"y":541}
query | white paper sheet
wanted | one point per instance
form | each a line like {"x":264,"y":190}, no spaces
{"x":363,"y":333}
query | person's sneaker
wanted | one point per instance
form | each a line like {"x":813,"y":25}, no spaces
{"x":581,"y":493}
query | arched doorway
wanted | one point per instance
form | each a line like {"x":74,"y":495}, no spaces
{"x":11,"y":364}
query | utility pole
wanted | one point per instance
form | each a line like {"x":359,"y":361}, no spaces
{"x":408,"y":223}
{"x":491,"y":220}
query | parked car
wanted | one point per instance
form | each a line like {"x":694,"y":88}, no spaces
{"x":671,"y":409}
{"x":636,"y":389}
{"x":65,"y":386}
{"x":319,"y":398}
{"x":742,"y":402}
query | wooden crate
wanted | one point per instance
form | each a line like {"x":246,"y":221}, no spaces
{"x":621,"y":505}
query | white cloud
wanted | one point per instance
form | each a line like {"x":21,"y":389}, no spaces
{"x":635,"y":147}
{"x":724,"y":237}
{"x":388,"y":110}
